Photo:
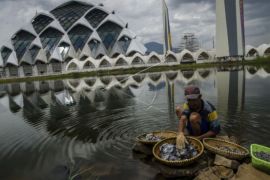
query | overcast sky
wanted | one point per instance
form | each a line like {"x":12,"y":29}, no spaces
{"x":145,"y":18}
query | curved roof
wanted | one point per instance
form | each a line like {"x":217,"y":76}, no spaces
{"x":200,"y":52}
{"x":262,"y":48}
{"x":75,"y":23}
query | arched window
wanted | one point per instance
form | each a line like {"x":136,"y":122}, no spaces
{"x":79,"y":35}
{"x":124,"y":42}
{"x":72,"y":67}
{"x":88,"y":65}
{"x":63,"y":49}
{"x":203,"y":56}
{"x":109,"y":33}
{"x":93,"y":45}
{"x":83,"y":58}
{"x":21,"y":41}
{"x":154,"y":60}
{"x":187,"y":57}
{"x":137,"y":61}
{"x":188,"y":74}
{"x":95,"y":17}
{"x":121,"y":62}
{"x":139,"y":78}
{"x":70,"y":12}
{"x":105,"y":63}
{"x":49,"y":39}
{"x":252,"y":52}
{"x":106,"y":80}
{"x":170,"y":59}
{"x":90,"y":82}
{"x":34,"y":51}
{"x":267,"y":52}
{"x":5,"y":53}
{"x":40,"y":22}
{"x":155,"y":77}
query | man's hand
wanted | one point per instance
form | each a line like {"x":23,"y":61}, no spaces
{"x":180,"y":141}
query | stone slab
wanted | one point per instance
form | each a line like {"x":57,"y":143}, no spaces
{"x":246,"y":172}
{"x":222,"y":161}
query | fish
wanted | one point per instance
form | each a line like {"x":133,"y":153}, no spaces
{"x":169,"y":152}
{"x":151,"y":137}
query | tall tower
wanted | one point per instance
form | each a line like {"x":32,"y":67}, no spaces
{"x":230,"y":33}
{"x":167,"y":46}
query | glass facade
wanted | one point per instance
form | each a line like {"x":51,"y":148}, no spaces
{"x":109,"y":33}
{"x":79,"y":35}
{"x":5,"y":53}
{"x":49,"y":39}
{"x":95,"y":17}
{"x":63,"y":49}
{"x":21,"y":41}
{"x":34,"y":51}
{"x":74,"y":31}
{"x":124,"y":42}
{"x":40,"y":22}
{"x":93,"y":45}
{"x":69,"y":13}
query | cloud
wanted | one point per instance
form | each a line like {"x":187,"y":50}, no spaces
{"x":145,"y":18}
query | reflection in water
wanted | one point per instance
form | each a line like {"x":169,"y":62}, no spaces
{"x":91,"y":122}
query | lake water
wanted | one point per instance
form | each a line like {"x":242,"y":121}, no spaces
{"x":87,"y":127}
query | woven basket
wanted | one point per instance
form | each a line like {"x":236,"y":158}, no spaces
{"x":212,"y":145}
{"x":195,"y":142}
{"x":161,"y":134}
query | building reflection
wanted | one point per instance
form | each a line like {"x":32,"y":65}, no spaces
{"x":231,"y":89}
{"x":56,"y":105}
{"x":231,"y":101}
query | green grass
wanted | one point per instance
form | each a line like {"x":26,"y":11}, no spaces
{"x":259,"y":62}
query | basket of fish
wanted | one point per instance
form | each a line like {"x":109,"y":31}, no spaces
{"x":154,"y":137}
{"x":225,"y":148}
{"x":166,"y":152}
{"x":260,"y":157}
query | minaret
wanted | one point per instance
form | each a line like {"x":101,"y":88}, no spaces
{"x":230,"y":32}
{"x":167,"y":46}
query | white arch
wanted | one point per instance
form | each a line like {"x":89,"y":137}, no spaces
{"x":251,"y":52}
{"x":104,"y":63}
{"x":262,"y":50}
{"x":171,"y":57}
{"x":91,"y":64}
{"x":73,"y":66}
{"x":186,"y":56}
{"x":137,"y":61}
{"x":201,"y":55}
{"x":153,"y":58}
{"x":121,"y":62}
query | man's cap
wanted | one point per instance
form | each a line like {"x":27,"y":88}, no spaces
{"x":192,"y":92}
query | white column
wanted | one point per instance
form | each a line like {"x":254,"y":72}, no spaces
{"x":20,"y":71}
{"x":34,"y":70}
